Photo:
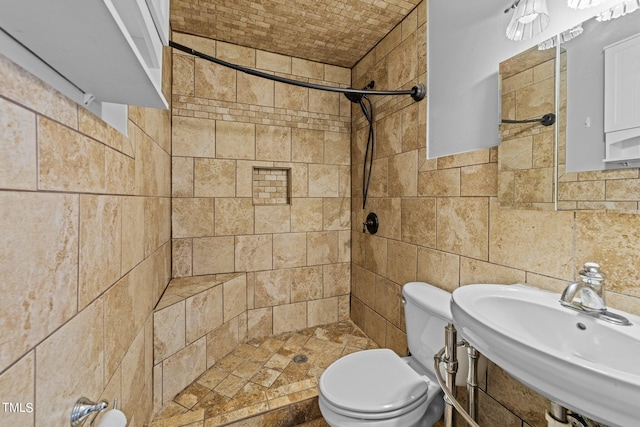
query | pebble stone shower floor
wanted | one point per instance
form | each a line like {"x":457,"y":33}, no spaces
{"x":269,"y":381}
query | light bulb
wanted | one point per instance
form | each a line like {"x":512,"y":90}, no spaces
{"x":528,"y":18}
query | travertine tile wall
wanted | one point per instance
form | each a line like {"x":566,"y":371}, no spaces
{"x":85,"y":254}
{"x":440,"y":223}
{"x":225,"y":123}
{"x":195,"y":324}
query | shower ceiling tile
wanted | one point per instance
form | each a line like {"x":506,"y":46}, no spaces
{"x":327,"y":31}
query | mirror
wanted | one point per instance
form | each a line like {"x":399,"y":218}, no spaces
{"x":561,"y":166}
{"x":585,"y":180}
{"x":526,"y":155}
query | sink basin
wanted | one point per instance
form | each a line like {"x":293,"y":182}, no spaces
{"x":585,"y":364}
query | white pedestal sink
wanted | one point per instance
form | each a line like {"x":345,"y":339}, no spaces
{"x":585,"y":364}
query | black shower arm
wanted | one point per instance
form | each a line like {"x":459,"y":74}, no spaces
{"x":417,"y":92}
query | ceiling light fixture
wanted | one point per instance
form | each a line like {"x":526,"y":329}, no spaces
{"x":564,"y":37}
{"x":529,"y":19}
{"x":583,"y":4}
{"x":620,"y":9}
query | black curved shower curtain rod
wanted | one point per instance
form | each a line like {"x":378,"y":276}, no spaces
{"x":417,"y":92}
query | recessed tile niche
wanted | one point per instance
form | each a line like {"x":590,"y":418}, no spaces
{"x":271,"y":186}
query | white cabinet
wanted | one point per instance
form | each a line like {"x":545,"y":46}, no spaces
{"x":622,"y":100}
{"x":160,"y":13}
{"x":94,"y":51}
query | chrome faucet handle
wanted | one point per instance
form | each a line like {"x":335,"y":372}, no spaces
{"x":591,"y":273}
{"x":593,"y":277}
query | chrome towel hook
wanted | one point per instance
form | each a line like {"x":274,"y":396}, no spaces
{"x":83,"y":408}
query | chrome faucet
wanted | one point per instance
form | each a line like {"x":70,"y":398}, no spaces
{"x":590,"y":289}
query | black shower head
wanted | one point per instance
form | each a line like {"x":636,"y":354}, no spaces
{"x":357,"y":97}
{"x":354,"y":97}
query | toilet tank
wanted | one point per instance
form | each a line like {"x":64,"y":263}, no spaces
{"x":427,"y":311}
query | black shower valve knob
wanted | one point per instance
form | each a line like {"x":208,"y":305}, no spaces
{"x":371,"y":224}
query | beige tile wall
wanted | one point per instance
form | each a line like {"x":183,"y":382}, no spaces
{"x":85,"y":222}
{"x":440,"y":222}
{"x":225,"y":125}
{"x":192,"y":317}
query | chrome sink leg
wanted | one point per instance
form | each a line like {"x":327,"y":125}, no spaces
{"x":451,"y":366}
{"x":472,"y":382}
{"x":558,"y":412}
{"x":449,"y":398}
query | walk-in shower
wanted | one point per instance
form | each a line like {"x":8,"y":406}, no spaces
{"x":358,"y":96}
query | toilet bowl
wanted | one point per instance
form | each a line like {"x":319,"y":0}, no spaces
{"x":378,"y":387}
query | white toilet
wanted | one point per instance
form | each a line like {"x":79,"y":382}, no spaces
{"x":379,"y":388}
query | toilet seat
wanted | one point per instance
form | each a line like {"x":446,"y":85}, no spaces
{"x":372,"y":384}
